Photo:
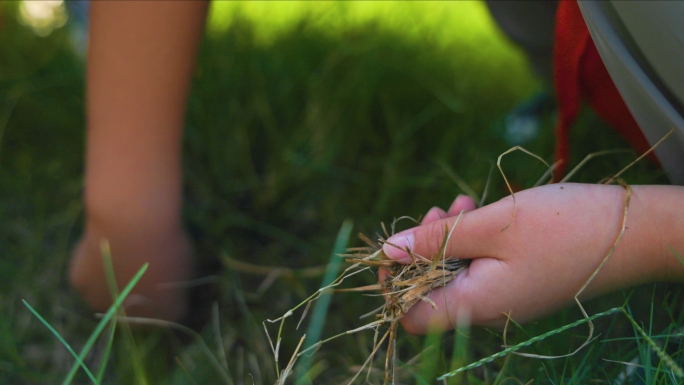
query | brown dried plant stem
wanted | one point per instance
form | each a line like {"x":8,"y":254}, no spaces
{"x":498,"y":164}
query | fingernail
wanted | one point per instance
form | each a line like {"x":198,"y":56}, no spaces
{"x":395,"y":247}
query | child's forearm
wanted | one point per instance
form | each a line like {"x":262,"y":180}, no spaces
{"x":140,"y":63}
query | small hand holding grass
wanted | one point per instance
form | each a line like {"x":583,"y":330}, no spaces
{"x":558,"y":236}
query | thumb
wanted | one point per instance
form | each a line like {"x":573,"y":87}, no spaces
{"x":470,"y":238}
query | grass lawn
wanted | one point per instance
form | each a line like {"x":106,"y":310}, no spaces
{"x":302,"y":115}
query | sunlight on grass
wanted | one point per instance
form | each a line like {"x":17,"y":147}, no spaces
{"x":442,"y":21}
{"x":463,"y":29}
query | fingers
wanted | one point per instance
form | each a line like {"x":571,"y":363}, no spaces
{"x":461,"y":203}
{"x":434,"y":214}
{"x":470,"y":238}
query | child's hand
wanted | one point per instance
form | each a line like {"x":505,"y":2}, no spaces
{"x":557,"y":238}
{"x":159,"y":293}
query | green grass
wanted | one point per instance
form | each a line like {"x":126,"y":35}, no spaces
{"x":301,"y":115}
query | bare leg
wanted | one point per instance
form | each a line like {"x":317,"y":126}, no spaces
{"x":140,"y":62}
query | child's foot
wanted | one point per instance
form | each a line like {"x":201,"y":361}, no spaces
{"x":158,"y":294}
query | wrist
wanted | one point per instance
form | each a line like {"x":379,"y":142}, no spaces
{"x":669,"y":232}
{"x":142,"y":211}
{"x":658,"y":221}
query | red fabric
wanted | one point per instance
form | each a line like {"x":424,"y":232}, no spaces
{"x":579,"y":75}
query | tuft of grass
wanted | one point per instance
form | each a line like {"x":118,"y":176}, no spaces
{"x":79,"y":361}
{"x":114,"y":308}
{"x":404,"y":286}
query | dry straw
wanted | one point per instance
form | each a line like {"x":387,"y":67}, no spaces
{"x":403,"y":287}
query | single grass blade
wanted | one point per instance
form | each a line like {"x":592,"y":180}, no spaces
{"x":290,"y":365}
{"x":616,"y":176}
{"x":502,"y":376}
{"x":679,"y":257}
{"x":547,"y":175}
{"x":320,"y":308}
{"x":103,"y":322}
{"x":79,"y":361}
{"x":106,"y":252}
{"x":528,"y":343}
{"x":460,"y":350}
{"x":588,"y":158}
{"x":486,"y":186}
{"x":218,"y":335}
{"x":370,"y":357}
{"x":185,"y":370}
{"x":397,"y":220}
{"x":430,"y":355}
{"x":107,"y":353}
{"x":390,"y":357}
{"x":129,"y":340}
{"x":459,"y":181}
{"x":498,"y":164}
{"x":664,"y":357}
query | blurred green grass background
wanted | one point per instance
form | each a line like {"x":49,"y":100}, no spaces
{"x":302,"y":114}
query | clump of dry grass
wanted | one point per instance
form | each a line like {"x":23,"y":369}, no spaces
{"x":403,"y":286}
